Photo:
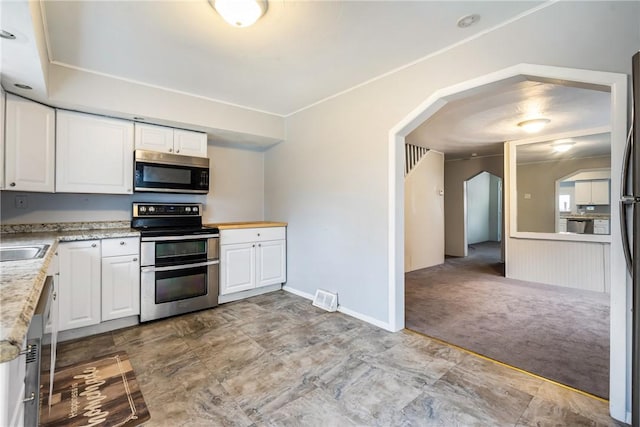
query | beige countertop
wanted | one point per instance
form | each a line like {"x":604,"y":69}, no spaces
{"x":247,"y":224}
{"x":21,"y":282}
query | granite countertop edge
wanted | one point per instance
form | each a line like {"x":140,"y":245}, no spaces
{"x":21,"y":282}
{"x":246,"y":224}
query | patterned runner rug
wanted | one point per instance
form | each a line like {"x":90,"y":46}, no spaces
{"x":101,"y":392}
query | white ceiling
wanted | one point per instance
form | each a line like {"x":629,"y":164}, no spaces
{"x":299,"y":53}
{"x":482,"y":121}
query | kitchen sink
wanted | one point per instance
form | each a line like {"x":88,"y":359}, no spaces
{"x":17,"y":253}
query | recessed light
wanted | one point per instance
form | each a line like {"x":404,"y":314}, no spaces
{"x":7,"y":35}
{"x":21,"y":86}
{"x":533,"y":125}
{"x":468,"y":20}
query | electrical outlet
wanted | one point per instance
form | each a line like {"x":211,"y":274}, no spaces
{"x":21,"y":202}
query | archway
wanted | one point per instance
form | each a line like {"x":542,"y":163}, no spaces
{"x":617,"y":83}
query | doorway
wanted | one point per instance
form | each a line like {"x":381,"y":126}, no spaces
{"x":483,"y":201}
{"x":617,"y":84}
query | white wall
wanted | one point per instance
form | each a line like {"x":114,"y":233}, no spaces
{"x":478,"y":208}
{"x":495,"y":208}
{"x":237,"y":185}
{"x":456,"y":172}
{"x":236,"y":194}
{"x":424,"y":213}
{"x":331,"y":178}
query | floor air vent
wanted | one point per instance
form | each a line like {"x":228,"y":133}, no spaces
{"x":326,"y":300}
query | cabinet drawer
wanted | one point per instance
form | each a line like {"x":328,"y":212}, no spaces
{"x":243,"y":235}
{"x":120,"y":246}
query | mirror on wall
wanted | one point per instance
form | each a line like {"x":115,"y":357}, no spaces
{"x":563,"y":185}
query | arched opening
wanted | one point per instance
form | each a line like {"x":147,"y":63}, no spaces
{"x":616,"y":83}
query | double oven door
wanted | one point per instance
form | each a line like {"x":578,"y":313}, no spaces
{"x":178,"y":274}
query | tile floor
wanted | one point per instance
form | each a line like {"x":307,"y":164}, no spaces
{"x":275,"y":360}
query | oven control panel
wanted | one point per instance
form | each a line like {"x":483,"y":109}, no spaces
{"x":162,"y":209}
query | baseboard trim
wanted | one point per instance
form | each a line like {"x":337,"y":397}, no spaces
{"x":248,"y":293}
{"x":100,"y":328}
{"x":344,"y":310}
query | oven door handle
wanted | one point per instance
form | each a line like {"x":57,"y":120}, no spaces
{"x":153,"y":269}
{"x":182,"y":237}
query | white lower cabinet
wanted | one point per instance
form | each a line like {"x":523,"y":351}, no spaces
{"x":99,"y":280}
{"x":120,"y":278}
{"x":251,"y":258}
{"x":12,"y":389}
{"x":79,"y":284}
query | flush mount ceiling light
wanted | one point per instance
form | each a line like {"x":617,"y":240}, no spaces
{"x":563,"y":145}
{"x":7,"y":35}
{"x":468,"y":20}
{"x":533,"y":125}
{"x":240,"y":13}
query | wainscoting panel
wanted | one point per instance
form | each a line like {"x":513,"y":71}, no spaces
{"x":581,"y":265}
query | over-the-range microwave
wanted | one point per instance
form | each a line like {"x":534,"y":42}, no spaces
{"x":170,"y":173}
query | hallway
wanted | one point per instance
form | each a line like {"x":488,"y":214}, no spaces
{"x":558,"y":333}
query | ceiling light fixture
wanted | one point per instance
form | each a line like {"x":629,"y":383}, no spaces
{"x":533,"y":125}
{"x":21,"y":86}
{"x":7,"y":35}
{"x":240,"y":13}
{"x":563,"y":145}
{"x":468,"y":20}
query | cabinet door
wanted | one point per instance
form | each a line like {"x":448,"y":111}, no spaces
{"x":190,"y":143}
{"x":583,"y":192}
{"x":120,"y":286}
{"x":600,"y":192}
{"x":94,"y":154}
{"x":237,"y":267}
{"x":154,"y":138}
{"x":79,"y":284}
{"x":271,"y":263}
{"x":2,"y":127}
{"x":29,"y":145}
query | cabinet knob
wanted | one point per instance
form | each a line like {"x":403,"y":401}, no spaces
{"x":55,"y":294}
{"x":122,"y":243}
{"x":13,"y":184}
{"x":258,"y":234}
{"x":93,"y":245}
{"x":259,"y":245}
{"x":177,"y":151}
{"x":253,"y":246}
{"x":135,"y":259}
{"x":170,"y":150}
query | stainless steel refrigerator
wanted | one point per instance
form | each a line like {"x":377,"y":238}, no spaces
{"x":630,"y":222}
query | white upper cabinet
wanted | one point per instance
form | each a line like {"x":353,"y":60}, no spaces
{"x":190,"y":143}
{"x":94,"y":154}
{"x":154,"y":138}
{"x":594,"y":192}
{"x":2,"y":126}
{"x":169,"y":140}
{"x":29,"y":145}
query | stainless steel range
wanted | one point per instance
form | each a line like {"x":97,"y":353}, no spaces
{"x":178,"y":259}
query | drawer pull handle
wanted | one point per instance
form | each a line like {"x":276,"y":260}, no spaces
{"x":93,"y":245}
{"x":122,"y":243}
{"x":13,"y":184}
{"x":31,"y":397}
{"x":55,"y":294}
{"x":26,"y":350}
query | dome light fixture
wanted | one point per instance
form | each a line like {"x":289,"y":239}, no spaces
{"x":563,"y":145}
{"x":240,"y":13}
{"x":468,"y":20}
{"x":534,"y":125}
